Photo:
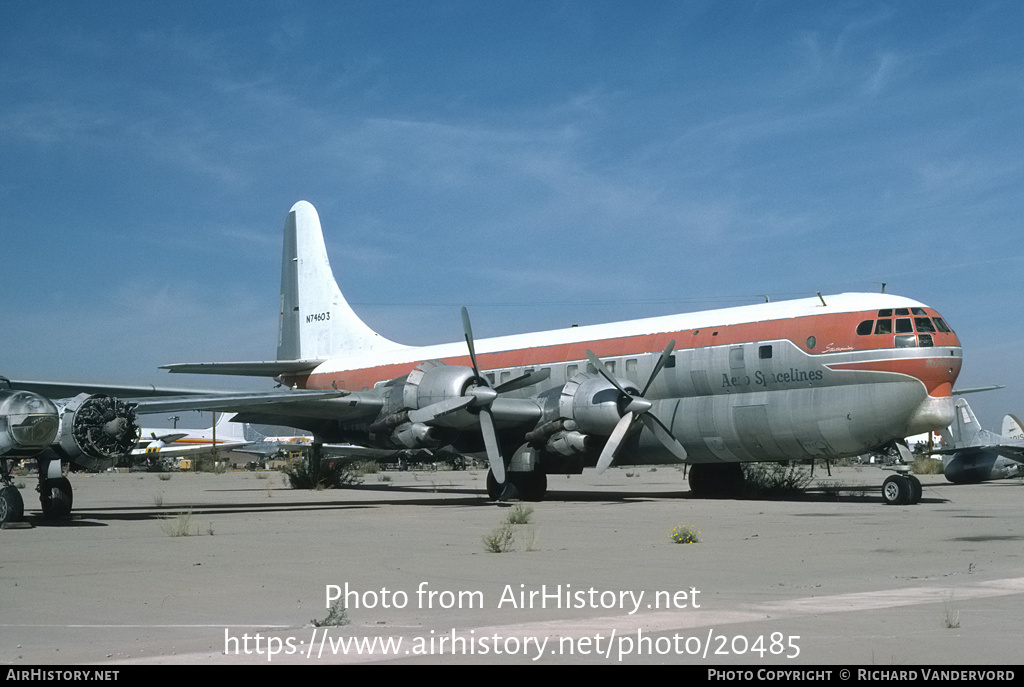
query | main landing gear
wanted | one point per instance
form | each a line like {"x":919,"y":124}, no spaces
{"x":522,"y":486}
{"x":716,"y":480}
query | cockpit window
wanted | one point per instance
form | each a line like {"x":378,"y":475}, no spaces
{"x":918,"y":311}
{"x":902,"y":311}
{"x":924,"y":324}
{"x":906,"y":341}
{"x":924,"y":340}
{"x":904,"y":326}
{"x":864,"y":327}
{"x":942,"y":326}
{"x":887,"y":312}
{"x":883,"y":327}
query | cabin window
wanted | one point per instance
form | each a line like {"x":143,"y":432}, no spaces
{"x":671,"y":362}
{"x":631,"y":366}
{"x":883,"y":327}
{"x":903,"y":326}
{"x":610,"y":364}
{"x":506,"y":375}
{"x":864,"y":327}
{"x":571,"y":370}
{"x":764,"y":352}
{"x":811,"y":342}
{"x":490,"y":377}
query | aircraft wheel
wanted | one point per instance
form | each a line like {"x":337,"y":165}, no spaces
{"x":714,"y":480}
{"x":531,"y":485}
{"x":12,"y":507}
{"x":56,"y":497}
{"x":493,"y":488}
{"x":916,"y":490}
{"x":896,"y":490}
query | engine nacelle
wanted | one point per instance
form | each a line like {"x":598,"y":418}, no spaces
{"x":96,"y":431}
{"x":28,"y":423}
{"x":433,"y":381}
{"x":593,"y":403}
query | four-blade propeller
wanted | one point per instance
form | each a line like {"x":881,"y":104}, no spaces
{"x":479,"y":396}
{"x":635,"y":408}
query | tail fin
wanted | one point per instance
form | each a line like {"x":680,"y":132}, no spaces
{"x":966,"y":429}
{"x":316,"y":321}
{"x":1012,"y":427}
{"x":228,"y":430}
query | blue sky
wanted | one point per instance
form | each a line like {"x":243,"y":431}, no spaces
{"x":544,"y":163}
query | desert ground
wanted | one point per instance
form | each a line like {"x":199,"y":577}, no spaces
{"x":829,"y":577}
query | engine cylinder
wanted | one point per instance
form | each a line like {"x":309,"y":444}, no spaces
{"x":96,"y":431}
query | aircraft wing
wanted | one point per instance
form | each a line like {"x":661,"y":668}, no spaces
{"x":150,"y":399}
{"x":1006,"y":451}
{"x":1012,"y":452}
{"x":173,"y":451}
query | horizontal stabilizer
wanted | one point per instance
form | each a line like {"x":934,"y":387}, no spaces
{"x":267,"y":368}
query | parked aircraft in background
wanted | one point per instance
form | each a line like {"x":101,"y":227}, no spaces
{"x":823,"y":377}
{"x":975,"y":454}
{"x":225,"y":434}
{"x":85,"y":425}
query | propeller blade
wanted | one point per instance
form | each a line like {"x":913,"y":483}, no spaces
{"x":440,"y":409}
{"x":490,"y":436}
{"x":660,"y":364}
{"x":468,"y":330}
{"x":523,"y":381}
{"x":604,"y":371}
{"x":614,"y":440}
{"x":659,"y":430}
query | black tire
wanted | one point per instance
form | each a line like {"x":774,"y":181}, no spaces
{"x":12,"y":507}
{"x":916,"y":490}
{"x":896,"y":490}
{"x":531,"y":485}
{"x":711,"y":480}
{"x":56,"y":498}
{"x":493,"y":488}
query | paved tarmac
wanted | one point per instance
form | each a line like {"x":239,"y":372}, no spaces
{"x":825,"y":578}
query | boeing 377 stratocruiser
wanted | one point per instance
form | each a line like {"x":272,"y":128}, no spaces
{"x":822,"y":377}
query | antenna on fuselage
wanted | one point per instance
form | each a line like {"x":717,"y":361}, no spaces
{"x":822,"y":299}
{"x":882,"y":283}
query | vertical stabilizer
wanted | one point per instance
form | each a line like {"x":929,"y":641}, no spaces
{"x":228,"y":430}
{"x":1012,"y":428}
{"x":316,"y":322}
{"x":966,"y":430}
